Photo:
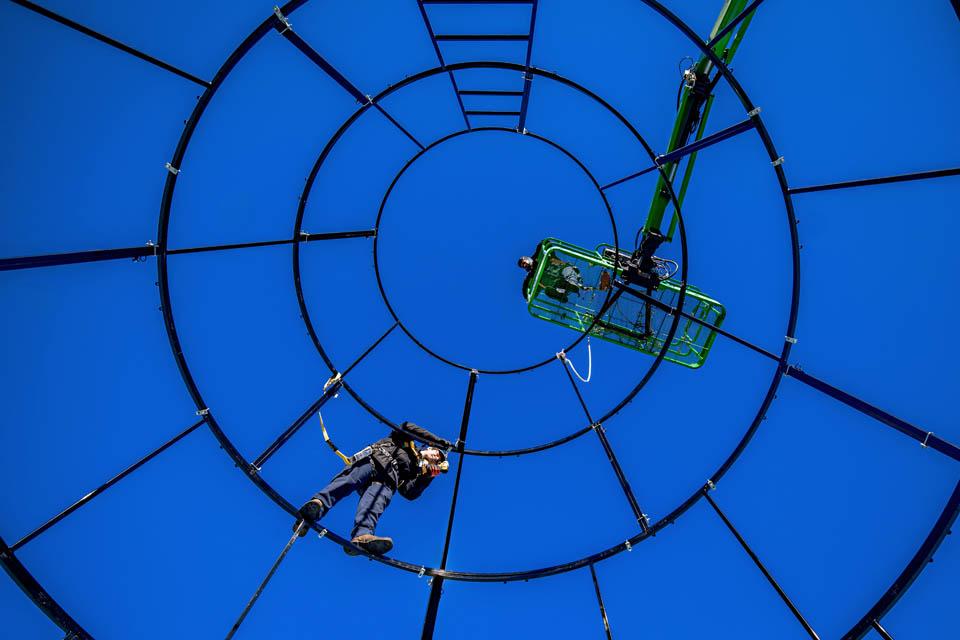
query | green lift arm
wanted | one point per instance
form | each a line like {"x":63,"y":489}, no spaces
{"x":695,"y":103}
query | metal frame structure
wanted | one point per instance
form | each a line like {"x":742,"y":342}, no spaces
{"x":280,"y":23}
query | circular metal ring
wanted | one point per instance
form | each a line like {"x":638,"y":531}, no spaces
{"x":376,"y":239}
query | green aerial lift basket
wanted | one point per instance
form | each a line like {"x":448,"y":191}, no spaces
{"x":630,"y":321}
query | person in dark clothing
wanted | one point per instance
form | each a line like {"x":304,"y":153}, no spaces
{"x":390,"y":464}
{"x":559,"y":278}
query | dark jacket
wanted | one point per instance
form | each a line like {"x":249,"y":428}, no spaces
{"x":397,"y":459}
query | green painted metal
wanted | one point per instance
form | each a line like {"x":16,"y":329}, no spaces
{"x":630,"y":321}
{"x":687,"y":113}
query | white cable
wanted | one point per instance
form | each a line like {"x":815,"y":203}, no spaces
{"x":589,"y":364}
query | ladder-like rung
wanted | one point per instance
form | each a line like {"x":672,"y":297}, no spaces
{"x":482,"y":37}
{"x":493,"y":113}
{"x":486,"y":92}
{"x":476,"y":1}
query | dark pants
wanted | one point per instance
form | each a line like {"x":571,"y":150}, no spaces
{"x":374,"y":495}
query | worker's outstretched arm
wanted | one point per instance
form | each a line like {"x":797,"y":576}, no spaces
{"x":423,"y":435}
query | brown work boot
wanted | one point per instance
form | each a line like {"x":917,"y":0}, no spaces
{"x":309,"y":512}
{"x":374,"y":545}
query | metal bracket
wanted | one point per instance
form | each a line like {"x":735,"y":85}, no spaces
{"x":202,"y":412}
{"x":283,"y":20}
{"x":561,"y":356}
{"x":754,"y":113}
{"x":151,"y":243}
{"x":422,"y":571}
{"x":334,"y":379}
{"x":790,"y":339}
{"x":778,"y":161}
{"x":924,"y":443}
{"x":172,"y":169}
{"x":710,"y":485}
{"x":322,"y":534}
{"x":628,"y":545}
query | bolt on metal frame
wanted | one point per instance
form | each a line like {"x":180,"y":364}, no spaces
{"x":927,"y":439}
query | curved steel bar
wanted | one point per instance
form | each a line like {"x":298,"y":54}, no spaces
{"x":33,"y":589}
{"x":376,"y":240}
{"x":920,"y":560}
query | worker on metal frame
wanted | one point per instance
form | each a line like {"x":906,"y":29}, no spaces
{"x":391,"y":464}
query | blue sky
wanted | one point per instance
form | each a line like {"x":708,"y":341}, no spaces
{"x":832,"y":501}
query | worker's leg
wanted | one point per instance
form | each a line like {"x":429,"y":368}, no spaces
{"x":344,"y":483}
{"x":373,"y":502}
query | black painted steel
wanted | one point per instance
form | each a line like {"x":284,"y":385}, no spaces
{"x":490,"y":92}
{"x":608,"y":450}
{"x":136,"y":253}
{"x":756,"y":560}
{"x":629,"y":177}
{"x":436,"y":585}
{"x":87,"y":31}
{"x":294,"y":38}
{"x":660,"y":304}
{"x":481,"y":37}
{"x":708,"y":141}
{"x":328,"y":393}
{"x":109,"y":483}
{"x":920,"y":560}
{"x":35,"y":591}
{"x":303,"y":237}
{"x":906,"y":177}
{"x":266,"y":580}
{"x":879,"y":629}
{"x":436,"y":49}
{"x":693,"y":147}
{"x":527,"y":78}
{"x":477,"y":1}
{"x":926,"y":438}
{"x":471,"y":112}
{"x":733,"y":23}
{"x":603,"y":610}
{"x":77,"y":257}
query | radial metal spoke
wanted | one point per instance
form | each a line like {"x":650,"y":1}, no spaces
{"x":266,"y":580}
{"x":733,"y":23}
{"x":607,"y":449}
{"x":110,"y":41}
{"x":77,"y":257}
{"x":763,"y":569}
{"x":628,"y":178}
{"x":138,"y":253}
{"x":906,"y":177}
{"x":712,"y":327}
{"x":603,"y":610}
{"x":109,"y":483}
{"x":879,"y":629}
{"x":285,"y":28}
{"x":304,"y":237}
{"x":329,"y":392}
{"x":482,"y":37}
{"x":693,"y":147}
{"x":708,"y":141}
{"x":925,"y":438}
{"x":436,"y":583}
